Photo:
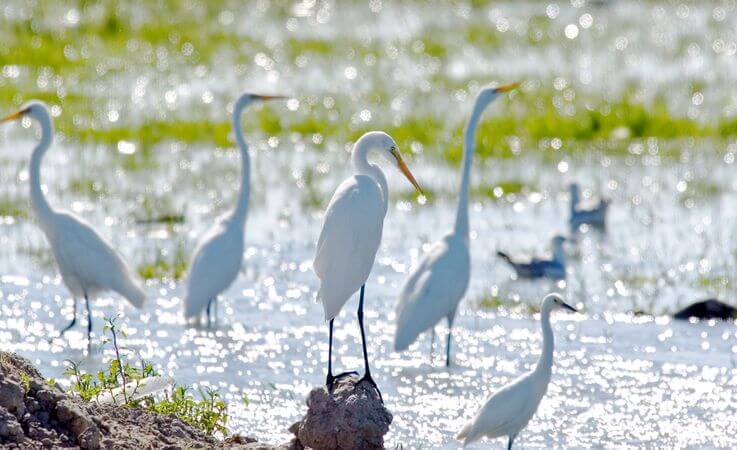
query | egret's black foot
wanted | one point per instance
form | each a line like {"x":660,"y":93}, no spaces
{"x":367,"y":378}
{"x":331,"y":378}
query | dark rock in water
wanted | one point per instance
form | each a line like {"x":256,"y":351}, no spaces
{"x":707,"y":309}
{"x":351,"y":416}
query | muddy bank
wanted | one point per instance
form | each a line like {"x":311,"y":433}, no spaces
{"x":35,"y":414}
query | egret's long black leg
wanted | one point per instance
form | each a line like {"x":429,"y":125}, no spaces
{"x":367,"y":374}
{"x":89,"y":322}
{"x":509,"y":443}
{"x":209,"y":313}
{"x":72,"y":323}
{"x":447,"y":345}
{"x":330,"y":378}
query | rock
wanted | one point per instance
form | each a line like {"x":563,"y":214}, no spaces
{"x":707,"y":309}
{"x":43,"y":416}
{"x":238,"y":442}
{"x":37,"y":415}
{"x":11,"y":397}
{"x":10,"y":428}
{"x":351,"y":416}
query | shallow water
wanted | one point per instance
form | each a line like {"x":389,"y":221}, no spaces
{"x":620,"y":380}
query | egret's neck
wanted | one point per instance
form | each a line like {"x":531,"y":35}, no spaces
{"x":575,"y":198}
{"x":469,"y":139}
{"x":241,"y":210}
{"x":364,"y":167}
{"x":38,"y":199}
{"x":545,"y":363}
{"x":559,"y":254}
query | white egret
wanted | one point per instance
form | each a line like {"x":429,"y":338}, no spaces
{"x":553,"y":267}
{"x":217,"y":259}
{"x":87,"y":263}
{"x":351,"y":234}
{"x":438,"y":283}
{"x":509,"y":410}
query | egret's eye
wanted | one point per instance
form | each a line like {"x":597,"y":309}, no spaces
{"x":394,"y":152}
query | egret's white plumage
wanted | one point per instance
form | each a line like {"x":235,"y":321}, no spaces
{"x":217,"y":259}
{"x":349,"y":240}
{"x":509,"y":410}
{"x":353,"y":223}
{"x":87,"y":262}
{"x":433,"y":289}
{"x":438,"y":283}
{"x":352,"y":228}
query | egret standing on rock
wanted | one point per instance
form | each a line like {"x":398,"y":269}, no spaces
{"x":217,"y":258}
{"x":88,"y":264}
{"x":509,"y":410}
{"x":436,"y":286}
{"x":351,"y":234}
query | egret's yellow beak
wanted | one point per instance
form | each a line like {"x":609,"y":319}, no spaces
{"x":15,"y":115}
{"x":405,"y":170}
{"x":270,"y":97}
{"x":506,"y":87}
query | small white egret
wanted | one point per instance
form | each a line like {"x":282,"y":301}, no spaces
{"x":509,"y":410}
{"x":351,"y":234}
{"x":438,"y":283}
{"x":87,"y":263}
{"x":217,"y":259}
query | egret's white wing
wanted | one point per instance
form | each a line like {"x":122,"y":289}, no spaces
{"x":504,"y":413}
{"x":86,"y":258}
{"x":215,"y":265}
{"x":433,"y":289}
{"x":349,"y":240}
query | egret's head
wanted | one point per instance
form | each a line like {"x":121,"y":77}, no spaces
{"x":555,"y":301}
{"x":34,"y":109}
{"x":488,"y":94}
{"x":390,"y":150}
{"x":558,"y":240}
{"x":248,"y":98}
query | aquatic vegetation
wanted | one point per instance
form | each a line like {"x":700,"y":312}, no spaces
{"x":209,"y":413}
{"x":140,"y":91}
{"x":165,"y":266}
{"x":493,"y":301}
{"x":15,"y":208}
{"x":502,"y":189}
{"x":698,"y":189}
{"x":87,"y":186}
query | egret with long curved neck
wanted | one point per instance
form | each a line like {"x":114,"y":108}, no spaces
{"x":351,"y":234}
{"x":88,"y":264}
{"x":217,"y":259}
{"x":509,"y":410}
{"x":439,"y":282}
